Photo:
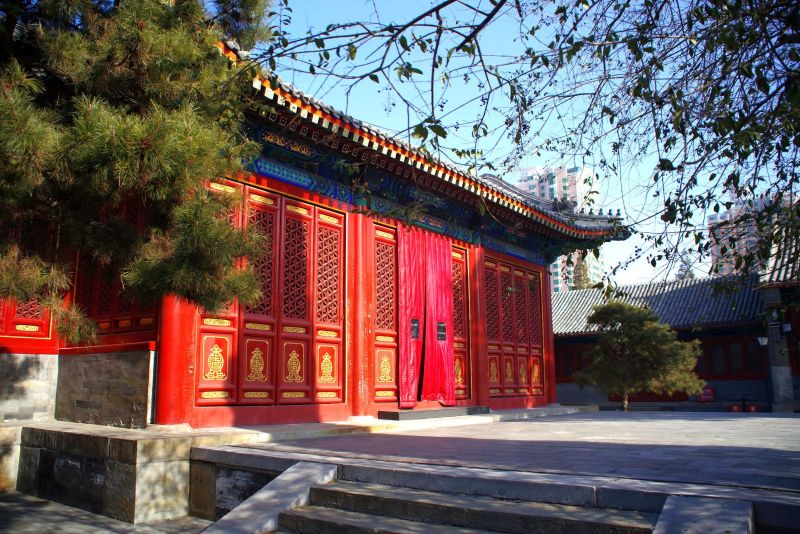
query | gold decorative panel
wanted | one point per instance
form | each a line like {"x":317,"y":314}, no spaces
{"x":384,"y":394}
{"x":385,"y":235}
{"x":256,"y":395}
{"x":328,"y":219}
{"x":210,"y":321}
{"x":215,"y":361}
{"x":296,"y":209}
{"x":326,"y":333}
{"x":294,"y":329}
{"x":27,"y":328}
{"x":293,"y":395}
{"x":215,"y":395}
{"x":493,"y":371}
{"x":384,"y":339}
{"x":257,"y":326}
{"x":385,"y":367}
{"x":294,"y":368}
{"x":326,"y":367}
{"x":222,"y":187}
{"x":326,"y":394}
{"x":262,"y":200}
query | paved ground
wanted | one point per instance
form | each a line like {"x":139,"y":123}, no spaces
{"x":753,"y":450}
{"x":23,"y":514}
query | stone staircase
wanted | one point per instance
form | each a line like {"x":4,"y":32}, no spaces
{"x":357,"y":507}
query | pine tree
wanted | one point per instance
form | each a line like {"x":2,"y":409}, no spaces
{"x":104,"y":106}
{"x":636,"y":353}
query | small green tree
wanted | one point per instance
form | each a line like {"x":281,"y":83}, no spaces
{"x":636,"y":353}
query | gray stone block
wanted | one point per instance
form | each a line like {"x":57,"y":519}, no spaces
{"x":289,"y":490}
{"x":699,"y":515}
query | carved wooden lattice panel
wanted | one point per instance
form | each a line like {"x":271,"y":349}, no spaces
{"x":328,"y":275}
{"x":521,"y":301}
{"x":492,"y":305}
{"x":386,"y":286}
{"x":507,"y":289}
{"x":295,"y":289}
{"x":535,"y":310}
{"x":29,"y":310}
{"x":459,"y":297}
{"x":263,"y":223}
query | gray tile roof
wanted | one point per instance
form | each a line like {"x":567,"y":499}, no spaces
{"x":683,"y":304}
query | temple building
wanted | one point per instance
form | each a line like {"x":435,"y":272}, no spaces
{"x":389,"y":281}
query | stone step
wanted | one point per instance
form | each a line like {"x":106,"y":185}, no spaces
{"x":478,"y":512}
{"x":320,"y":520}
{"x":413,"y":415}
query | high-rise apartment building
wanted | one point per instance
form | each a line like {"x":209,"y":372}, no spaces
{"x":558,"y":183}
{"x":734,"y":233}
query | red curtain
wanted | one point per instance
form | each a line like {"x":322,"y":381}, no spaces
{"x":411,"y":286}
{"x":438,"y":380}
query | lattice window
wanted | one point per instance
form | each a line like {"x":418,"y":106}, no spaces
{"x":535,"y":311}
{"x":29,"y":310}
{"x":386,"y":291}
{"x":295,"y":274}
{"x":492,"y":305}
{"x":508,"y":306}
{"x":124,"y":303}
{"x":459,"y":323}
{"x":520,"y":308}
{"x":263,"y":223}
{"x":328,"y":279}
{"x":105,"y":298}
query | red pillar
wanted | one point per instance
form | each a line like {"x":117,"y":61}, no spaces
{"x":362,"y":321}
{"x":175,"y":369}
{"x":548,"y":345}
{"x":477,"y":321}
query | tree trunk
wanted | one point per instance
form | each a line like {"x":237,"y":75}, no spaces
{"x":625,"y":401}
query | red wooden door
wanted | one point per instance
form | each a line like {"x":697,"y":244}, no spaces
{"x":514,"y":329}
{"x":384,"y":375}
{"x":286,"y":348}
{"x":463,"y":367}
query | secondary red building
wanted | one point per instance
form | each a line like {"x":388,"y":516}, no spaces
{"x":409,"y":285}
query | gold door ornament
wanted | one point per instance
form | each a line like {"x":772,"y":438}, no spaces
{"x":326,"y":366}
{"x":293,"y":368}
{"x":523,"y":372}
{"x":215,"y":362}
{"x":256,"y":373}
{"x":536,"y":378}
{"x":459,"y":372}
{"x":493,"y":371}
{"x":509,"y":371}
{"x":385,"y":369}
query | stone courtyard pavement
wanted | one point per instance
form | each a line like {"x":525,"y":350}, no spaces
{"x":750,"y":450}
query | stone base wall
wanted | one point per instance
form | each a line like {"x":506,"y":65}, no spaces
{"x":104,"y":389}
{"x":217,"y":489}
{"x":725,"y":391}
{"x":27,"y":386}
{"x":569,"y":393}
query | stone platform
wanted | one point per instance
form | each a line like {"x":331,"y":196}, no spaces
{"x":144,"y":475}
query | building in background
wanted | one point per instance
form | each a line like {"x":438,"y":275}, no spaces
{"x":557,"y":184}
{"x":735,"y":232}
{"x":724,"y":313}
